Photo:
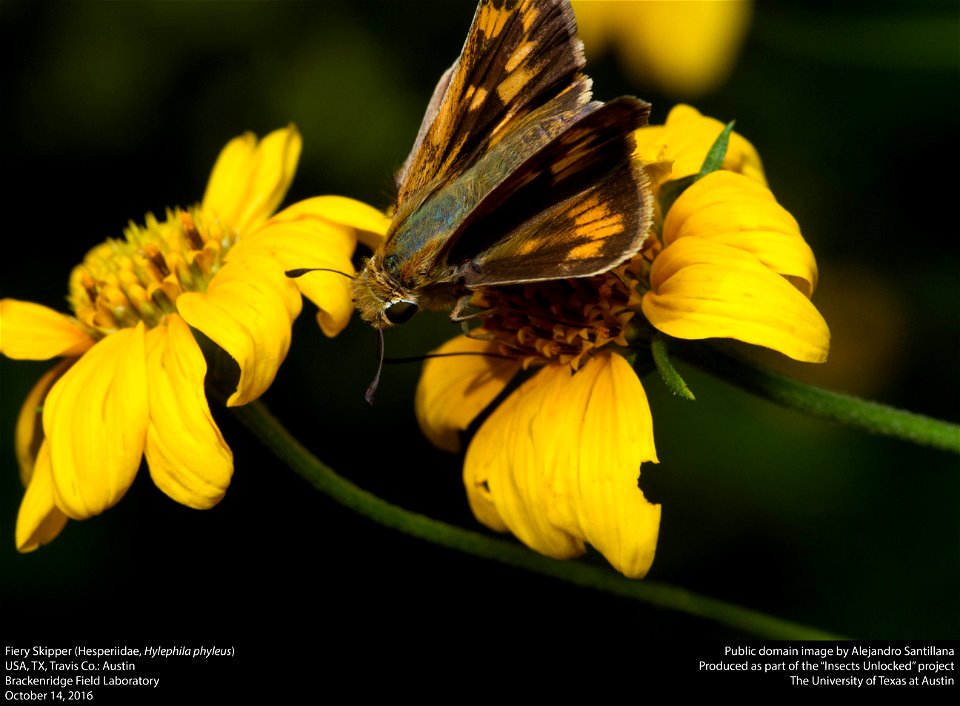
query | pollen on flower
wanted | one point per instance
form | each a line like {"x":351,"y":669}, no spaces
{"x":122,"y":282}
{"x":563,"y":321}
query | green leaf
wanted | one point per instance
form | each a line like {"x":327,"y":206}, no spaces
{"x":671,"y":190}
{"x":717,"y":153}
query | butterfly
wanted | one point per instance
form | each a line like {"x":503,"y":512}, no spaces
{"x":515,"y":176}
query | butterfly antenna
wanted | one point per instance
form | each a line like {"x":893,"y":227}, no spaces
{"x":299,"y":272}
{"x":372,"y":390}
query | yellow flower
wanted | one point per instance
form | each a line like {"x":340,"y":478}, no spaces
{"x":557,"y":462}
{"x":683,"y":47}
{"x":131,"y":382}
{"x":682,"y":143}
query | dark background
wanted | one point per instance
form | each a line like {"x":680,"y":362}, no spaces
{"x":110,"y":110}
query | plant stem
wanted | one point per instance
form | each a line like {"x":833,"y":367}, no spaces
{"x":869,"y":416}
{"x":271,"y":432}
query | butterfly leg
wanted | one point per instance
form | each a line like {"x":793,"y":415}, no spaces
{"x":458,"y":315}
{"x":462,"y":303}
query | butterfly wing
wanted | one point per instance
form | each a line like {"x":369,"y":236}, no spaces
{"x":425,"y":228}
{"x":518,"y":56}
{"x":575,"y":207}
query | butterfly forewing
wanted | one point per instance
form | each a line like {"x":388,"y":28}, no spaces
{"x":519,"y":54}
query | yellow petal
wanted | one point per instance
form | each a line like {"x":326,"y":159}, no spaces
{"x":95,"y":419}
{"x":596,"y":431}
{"x":249,"y":180}
{"x":247,"y":311}
{"x":30,"y":331}
{"x":652,"y":144}
{"x":367,"y":223}
{"x":29,"y":431}
{"x":557,"y":464}
{"x":228,"y":181}
{"x":187,"y":456}
{"x":702,"y":289}
{"x":729,"y":208}
{"x":318,"y":232}
{"x":505,"y":467}
{"x":39,"y":520}
{"x":453,"y":390}
{"x":310,"y":244}
{"x":685,"y":140}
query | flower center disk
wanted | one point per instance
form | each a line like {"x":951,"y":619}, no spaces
{"x":562,"y":321}
{"x":123,"y":282}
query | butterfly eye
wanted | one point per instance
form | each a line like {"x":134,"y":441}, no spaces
{"x":399,"y":312}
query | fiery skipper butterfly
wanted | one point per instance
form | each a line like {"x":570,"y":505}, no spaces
{"x":515,"y":175}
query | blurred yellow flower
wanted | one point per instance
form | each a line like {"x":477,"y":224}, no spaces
{"x":684,"y":48}
{"x":557,"y":461}
{"x":131,"y":382}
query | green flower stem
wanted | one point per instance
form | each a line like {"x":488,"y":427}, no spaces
{"x":869,"y":416}
{"x":272,"y":433}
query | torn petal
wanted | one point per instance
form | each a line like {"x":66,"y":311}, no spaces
{"x":600,"y":432}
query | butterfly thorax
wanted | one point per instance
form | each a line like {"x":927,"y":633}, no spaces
{"x":408,"y":267}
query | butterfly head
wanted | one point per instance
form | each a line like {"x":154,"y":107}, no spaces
{"x":381,"y":300}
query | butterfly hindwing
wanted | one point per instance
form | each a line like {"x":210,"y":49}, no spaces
{"x":578,"y":206}
{"x":519,"y":54}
